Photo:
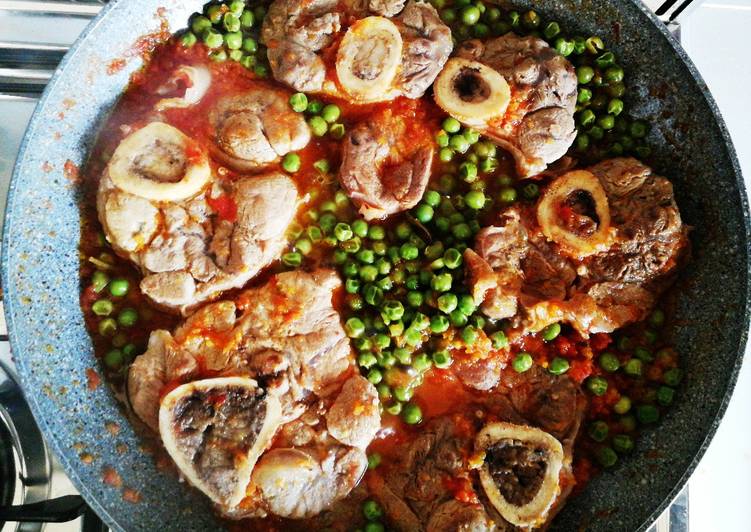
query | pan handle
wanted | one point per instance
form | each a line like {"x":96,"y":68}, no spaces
{"x":59,"y":510}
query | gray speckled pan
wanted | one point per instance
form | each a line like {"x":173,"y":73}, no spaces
{"x":55,"y":356}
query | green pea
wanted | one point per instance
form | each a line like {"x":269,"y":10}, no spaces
{"x":304,"y":246}
{"x":470,"y":15}
{"x":499,"y":340}
{"x":318,"y":126}
{"x":354,"y":327}
{"x":564,"y":47}
{"x":606,"y":457}
{"x":298,"y":102}
{"x":451,"y":125}
{"x":188,"y":39}
{"x":672,"y":377}
{"x":368,"y":273}
{"x":247,"y":19}
{"x":114,"y":359}
{"x":292,"y":259}
{"x":447,"y":303}
{"x":587,"y":117}
{"x":291,"y":162}
{"x":103,"y":307}
{"x":442,"y":359}
{"x":439,"y":324}
{"x":647,"y":414}
{"x":582,"y":142}
{"x":623,"y":443}
{"x":231,"y":23}
{"x":531,"y":19}
{"x":352,"y":286}
{"x":424,"y":213}
{"x":605,"y":60}
{"x":394,"y":310}
{"x":551,"y":30}
{"x":343,"y":231}
{"x":367,"y":360}
{"x":374,"y":460}
{"x":411,"y":414}
{"x":375,"y":376}
{"x":597,"y":385}
{"x":615,"y":107}
{"x":609,"y":362}
{"x":598,"y":431}
{"x":421,"y":362}
{"x":531,"y":191}
{"x":249,"y":61}
{"x":127,"y":317}
{"x":614,"y":74}
{"x":384,"y":392}
{"x":212,"y":38}
{"x":236,"y":55}
{"x":622,"y":406}
{"x":665,"y":395}
{"x":459,"y":143}
{"x":372,"y":294}
{"x":501,"y":27}
{"x":584,"y":96}
{"x":119,"y":287}
{"x":107,"y":327}
{"x":596,"y":132}
{"x":507,"y":195}
{"x":468,"y":171}
{"x":441,"y":282}
{"x":414,"y":298}
{"x":475,"y":199}
{"x":314,"y":107}
{"x":522,"y":362}
{"x":461,"y":231}
{"x":336,"y":131}
{"x":470,"y":335}
{"x":200,"y":24}
{"x":218,"y":56}
{"x":99,"y":281}
{"x":371,"y":510}
{"x":452,"y":259}
{"x":515,"y":18}
{"x":606,"y":122}
{"x":558,"y":366}
{"x":551,"y":332}
{"x":585,"y":74}
{"x":633,"y":367}
{"x":472,"y":136}
{"x":657,"y":318}
{"x":458,"y":318}
{"x":331,"y":113}
{"x":408,"y":251}
{"x":442,"y":139}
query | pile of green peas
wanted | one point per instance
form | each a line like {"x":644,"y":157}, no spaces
{"x":603,"y":127}
{"x":322,"y":118}
{"x":523,"y":360}
{"x":230,"y":32}
{"x":405,"y":289}
{"x":113,"y":317}
{"x":632,"y":359}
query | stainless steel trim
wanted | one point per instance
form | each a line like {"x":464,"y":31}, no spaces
{"x":52,"y":8}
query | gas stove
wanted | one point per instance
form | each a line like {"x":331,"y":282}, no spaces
{"x":34,"y":35}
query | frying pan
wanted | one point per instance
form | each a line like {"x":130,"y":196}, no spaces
{"x":82,"y":419}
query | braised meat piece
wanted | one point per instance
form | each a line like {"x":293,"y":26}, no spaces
{"x":426,"y":47}
{"x":285,"y":333}
{"x":494,"y":266}
{"x":380,"y":55}
{"x":255,"y":128}
{"x":191,"y":236}
{"x":384,"y":170}
{"x":516,"y":271}
{"x":286,"y":337}
{"x":519,"y":92}
{"x":415,"y":491}
{"x":294,"y":31}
